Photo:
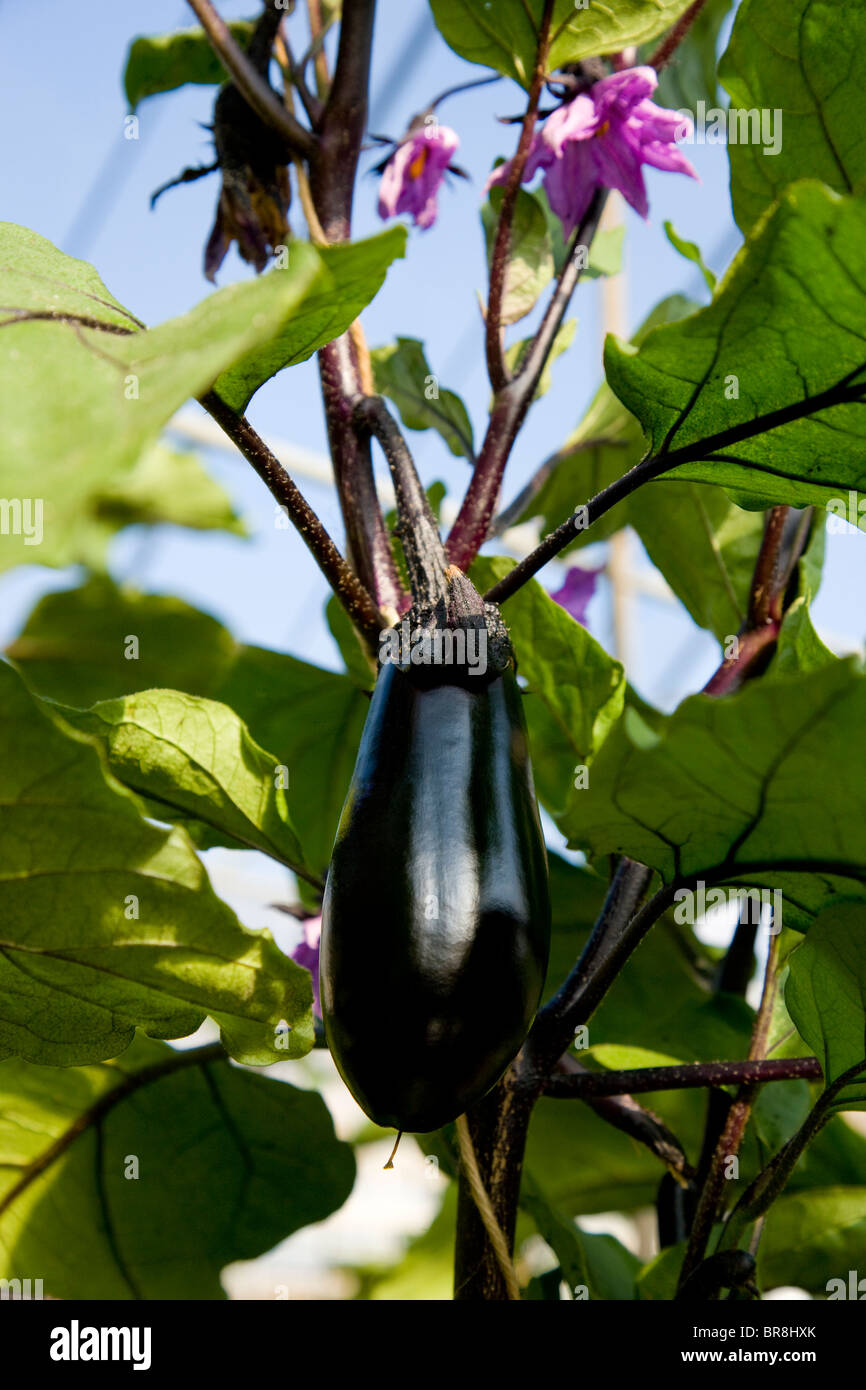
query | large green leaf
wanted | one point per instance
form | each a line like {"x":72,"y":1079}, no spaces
{"x":142,"y":1177}
{"x":73,"y":649}
{"x":504,"y":35}
{"x":83,"y":390}
{"x":825,"y":993}
{"x":353,"y":275}
{"x":705,"y":547}
{"x":77,"y":647}
{"x":530,"y":256}
{"x":162,"y":62}
{"x":575,"y":691}
{"x":765,"y":387}
{"x":813,"y":1237}
{"x":802,"y":64}
{"x":737,"y":790}
{"x":110,"y":923}
{"x":402,"y":373}
{"x":193,"y":762}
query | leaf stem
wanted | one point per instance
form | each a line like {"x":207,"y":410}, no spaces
{"x":346,"y":585}
{"x":253,"y":86}
{"x":586,"y":1084}
{"x":671,"y":42}
{"x":496,"y":368}
{"x":511,"y":403}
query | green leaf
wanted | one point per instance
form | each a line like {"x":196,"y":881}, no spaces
{"x":705,"y":547}
{"x":606,"y":444}
{"x":227,"y":1165}
{"x":804,"y":61}
{"x":344,"y":633}
{"x":600,"y":1264}
{"x":504,"y":35}
{"x":530,"y":259}
{"x":311,"y":720}
{"x":825,"y":993}
{"x":110,"y":923}
{"x":99,"y":642}
{"x":80,"y":404}
{"x":194,"y":763}
{"x":605,"y":253}
{"x":516,"y":352}
{"x":812,"y":1238}
{"x":692,"y":252}
{"x":167,"y":487}
{"x":353,"y":275}
{"x":73,"y":648}
{"x":765,"y":386}
{"x":402,"y":373}
{"x":163,"y":62}
{"x":720,"y":796}
{"x":575,"y":691}
{"x":691,"y":76}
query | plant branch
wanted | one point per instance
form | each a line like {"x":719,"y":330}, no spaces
{"x":496,"y":367}
{"x":628,"y":1116}
{"x":671,"y":42}
{"x":704,"y":450}
{"x":734,"y":1128}
{"x":768,"y":1185}
{"x":341,"y":362}
{"x":255,"y":89}
{"x":472,"y":525}
{"x":609,"y":940}
{"x":786,"y":532}
{"x":346,"y":585}
{"x":587,"y":1085}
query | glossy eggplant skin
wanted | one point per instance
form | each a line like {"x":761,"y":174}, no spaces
{"x":436,"y":917}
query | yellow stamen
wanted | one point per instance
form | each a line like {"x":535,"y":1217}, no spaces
{"x":416,"y":168}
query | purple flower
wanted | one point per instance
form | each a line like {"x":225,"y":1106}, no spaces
{"x":306,"y":953}
{"x":576,"y":592}
{"x":413,"y":174}
{"x":601,"y":139}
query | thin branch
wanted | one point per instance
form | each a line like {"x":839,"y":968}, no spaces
{"x":845,"y":392}
{"x":472,"y":525}
{"x":316,"y":51}
{"x":510,"y":515}
{"x":628,"y":1116}
{"x":496,"y":368}
{"x":346,"y":585}
{"x":672,"y":41}
{"x":554,"y":1027}
{"x":768,"y":1185}
{"x":587,"y":1085}
{"x":735,"y":1125}
{"x":296,"y":78}
{"x":255,"y":89}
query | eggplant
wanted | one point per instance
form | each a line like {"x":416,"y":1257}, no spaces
{"x":436,"y":914}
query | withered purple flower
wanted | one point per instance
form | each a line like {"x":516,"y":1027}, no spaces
{"x":601,"y":139}
{"x":254,"y":199}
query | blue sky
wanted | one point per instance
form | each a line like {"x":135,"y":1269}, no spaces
{"x":70,"y":174}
